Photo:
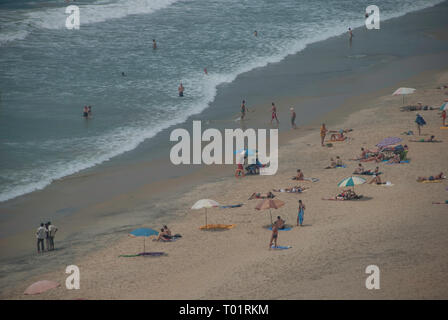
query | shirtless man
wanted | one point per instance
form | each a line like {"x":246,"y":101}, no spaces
{"x":243,"y":109}
{"x":350,"y":33}
{"x":299,"y":175}
{"x":154,"y":44}
{"x":274,"y":236}
{"x":280,"y":223}
{"x":274,"y":113}
{"x":181,"y":90}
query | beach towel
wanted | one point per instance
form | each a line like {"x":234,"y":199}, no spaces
{"x":401,"y":162}
{"x":281,"y":247}
{"x":284,"y":229}
{"x":217,"y":227}
{"x":232,"y":206}
{"x":342,"y":199}
{"x":151,"y":254}
{"x":311,"y":179}
{"x":368,"y":173}
{"x":446,"y":127}
{"x":431,"y":181}
{"x":387,"y":184}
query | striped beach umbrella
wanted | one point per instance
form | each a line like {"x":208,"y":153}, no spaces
{"x":351,"y":181}
{"x":444,"y":106}
{"x":403,"y":91}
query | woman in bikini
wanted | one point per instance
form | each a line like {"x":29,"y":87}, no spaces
{"x":274,"y":113}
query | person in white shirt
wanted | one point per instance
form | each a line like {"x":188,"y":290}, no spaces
{"x":40,"y":235}
{"x":51,"y":233}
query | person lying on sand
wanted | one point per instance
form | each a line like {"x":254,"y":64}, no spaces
{"x":346,"y":195}
{"x":257,"y":195}
{"x":299,"y":175}
{"x":395,"y":159}
{"x":338,"y":136}
{"x":295,"y":189}
{"x":440,"y":176}
{"x":280,"y":223}
{"x":432,"y":139}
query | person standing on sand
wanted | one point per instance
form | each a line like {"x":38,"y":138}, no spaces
{"x":350,"y":33}
{"x":243,"y":109}
{"x":47,"y":236}
{"x":443,"y":116}
{"x":301,"y":213}
{"x":40,"y":235}
{"x":51,"y":233}
{"x":274,"y":236}
{"x":181,"y":90}
{"x":293,"y":118}
{"x":323,"y":133}
{"x":274,"y":113}
{"x":420,"y":123}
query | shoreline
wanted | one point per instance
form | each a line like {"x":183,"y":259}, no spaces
{"x":247,"y":240}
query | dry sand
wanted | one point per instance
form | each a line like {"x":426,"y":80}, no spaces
{"x":396,"y":228}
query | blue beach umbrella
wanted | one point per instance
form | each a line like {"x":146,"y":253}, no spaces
{"x":351,"y":181}
{"x":444,"y":106}
{"x":143,"y":232}
{"x":247,"y":152}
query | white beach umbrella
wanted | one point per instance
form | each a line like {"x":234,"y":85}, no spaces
{"x":403,"y":91}
{"x":205,"y":203}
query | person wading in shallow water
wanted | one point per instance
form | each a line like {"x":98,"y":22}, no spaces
{"x":181,"y":90}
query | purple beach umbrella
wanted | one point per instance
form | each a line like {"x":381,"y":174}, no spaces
{"x":389,"y":141}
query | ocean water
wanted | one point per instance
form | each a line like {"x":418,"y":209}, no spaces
{"x":48,"y":73}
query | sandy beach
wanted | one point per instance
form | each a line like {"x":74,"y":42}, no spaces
{"x":394,"y":227}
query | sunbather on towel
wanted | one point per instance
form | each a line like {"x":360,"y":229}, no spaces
{"x":299,"y":175}
{"x":338,"y":136}
{"x":440,"y":176}
{"x":295,"y":189}
{"x":395,"y":159}
{"x":332,"y":164}
{"x":163,"y":235}
{"x":432,"y":139}
{"x":257,"y":195}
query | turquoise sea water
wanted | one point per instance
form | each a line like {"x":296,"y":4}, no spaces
{"x":48,"y":73}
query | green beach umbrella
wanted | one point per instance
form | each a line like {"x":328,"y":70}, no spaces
{"x":351,"y":181}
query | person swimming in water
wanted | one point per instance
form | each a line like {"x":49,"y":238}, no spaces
{"x":154,"y":44}
{"x":274,"y":113}
{"x":256,"y":33}
{"x":85,"y":113}
{"x":205,"y":71}
{"x":181,"y":90}
{"x":123,"y":74}
{"x":89,"y":111}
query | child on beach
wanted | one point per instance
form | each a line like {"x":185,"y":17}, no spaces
{"x":274,"y":236}
{"x":293,"y":118}
{"x":323,"y":133}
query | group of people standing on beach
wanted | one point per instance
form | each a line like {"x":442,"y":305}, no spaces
{"x":279,"y":224}
{"x":45,"y":233}
{"x":274,"y":114}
